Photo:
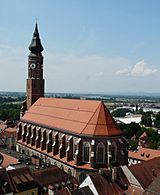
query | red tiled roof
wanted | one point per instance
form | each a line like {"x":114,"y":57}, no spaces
{"x":146,"y":171}
{"x":54,"y":176}
{"x":8,"y":160}
{"x":144,"y":154}
{"x":2,"y":126}
{"x":10,"y":131}
{"x":154,"y":187}
{"x":63,"y":191}
{"x":83,"y":117}
{"x":18,"y":176}
{"x":4,"y":177}
{"x":104,"y":186}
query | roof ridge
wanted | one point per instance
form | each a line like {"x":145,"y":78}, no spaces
{"x":62,"y":108}
{"x":91,"y":118}
{"x":113,"y":121}
{"x":98,"y":116}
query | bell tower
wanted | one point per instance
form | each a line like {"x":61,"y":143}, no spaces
{"x":35,"y":80}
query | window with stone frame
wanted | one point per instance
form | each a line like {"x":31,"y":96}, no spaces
{"x":100,"y":152}
{"x":86,"y":151}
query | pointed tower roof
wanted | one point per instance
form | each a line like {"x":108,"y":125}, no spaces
{"x":36,"y":45}
{"x":81,"y":117}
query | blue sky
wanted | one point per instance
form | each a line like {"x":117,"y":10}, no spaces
{"x":89,"y":45}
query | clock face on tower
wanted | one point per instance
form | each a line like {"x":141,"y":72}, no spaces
{"x":33,"y":66}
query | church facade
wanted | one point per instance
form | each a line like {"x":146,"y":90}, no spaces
{"x":80,"y":136}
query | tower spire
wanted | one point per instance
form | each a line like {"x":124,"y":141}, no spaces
{"x":35,"y":80}
{"x":36,"y":46}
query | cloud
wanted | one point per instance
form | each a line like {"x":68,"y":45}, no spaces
{"x":139,"y":69}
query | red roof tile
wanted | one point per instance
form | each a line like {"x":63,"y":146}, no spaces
{"x":85,"y":117}
{"x":144,"y":154}
{"x":10,"y":131}
{"x":20,"y":181}
{"x":146,"y":171}
{"x":54,"y":176}
{"x":104,"y":186}
{"x":8,"y":160}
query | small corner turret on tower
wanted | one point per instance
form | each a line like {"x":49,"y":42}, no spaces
{"x":35,"y":80}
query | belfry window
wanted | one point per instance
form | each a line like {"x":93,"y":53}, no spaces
{"x":100,"y":153}
{"x":86,"y":152}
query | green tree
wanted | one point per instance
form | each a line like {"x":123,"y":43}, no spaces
{"x":157,"y":120}
{"x":130,"y":129}
{"x":146,"y":119}
{"x":121,"y":112}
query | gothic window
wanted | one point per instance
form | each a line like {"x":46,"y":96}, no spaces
{"x":86,"y":152}
{"x":100,"y":152}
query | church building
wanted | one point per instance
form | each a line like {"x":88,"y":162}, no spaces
{"x":79,"y":136}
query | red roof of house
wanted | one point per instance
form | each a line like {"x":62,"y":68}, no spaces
{"x":146,"y":171}
{"x":52,"y":176}
{"x":144,"y":154}
{"x":10,"y":131}
{"x":8,"y":160}
{"x":105,"y":186}
{"x":22,"y":179}
{"x":83,"y":117}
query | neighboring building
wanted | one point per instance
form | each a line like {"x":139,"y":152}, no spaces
{"x":142,"y":154}
{"x":80,"y":136}
{"x":9,"y":137}
{"x":107,"y":183}
{"x":18,"y":182}
{"x":129,"y":119}
{"x":143,"y":140}
{"x":7,"y":160}
{"x":22,"y":181}
{"x":141,"y":175}
{"x":82,"y":191}
{"x":153,"y":188}
{"x":8,"y":134}
{"x":57,"y":179}
{"x":6,"y":187}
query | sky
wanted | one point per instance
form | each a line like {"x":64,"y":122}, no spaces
{"x":90,"y":46}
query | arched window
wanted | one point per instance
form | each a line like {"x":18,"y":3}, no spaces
{"x":86,"y":152}
{"x":100,"y":152}
{"x":114,"y":152}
